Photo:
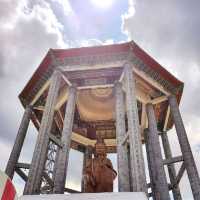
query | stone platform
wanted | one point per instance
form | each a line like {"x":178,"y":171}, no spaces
{"x":90,"y":196}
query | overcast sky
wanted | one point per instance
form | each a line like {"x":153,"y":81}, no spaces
{"x":168,"y":30}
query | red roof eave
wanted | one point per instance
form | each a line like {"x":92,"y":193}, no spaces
{"x":155,"y":65}
{"x":98,"y":50}
{"x":36,"y":75}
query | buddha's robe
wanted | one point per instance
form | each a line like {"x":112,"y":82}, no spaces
{"x":99,"y":175}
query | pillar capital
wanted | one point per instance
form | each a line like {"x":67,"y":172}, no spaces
{"x":118,"y":84}
{"x":127,"y":65}
{"x":73,"y":88}
{"x":117,"y":87}
{"x":57,"y":70}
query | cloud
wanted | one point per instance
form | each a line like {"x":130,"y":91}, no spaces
{"x":94,"y":42}
{"x":129,"y":14}
{"x":7,"y":9}
{"x":31,"y":35}
{"x":65,"y":6}
{"x":31,"y":32}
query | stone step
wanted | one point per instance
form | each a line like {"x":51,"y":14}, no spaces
{"x":89,"y":196}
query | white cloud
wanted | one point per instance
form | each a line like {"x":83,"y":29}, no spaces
{"x":32,"y":32}
{"x":129,"y":14}
{"x":131,"y":10}
{"x":94,"y":42}
{"x":65,"y":5}
{"x":90,"y":42}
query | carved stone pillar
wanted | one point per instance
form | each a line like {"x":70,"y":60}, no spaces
{"x":15,"y":153}
{"x":136,"y":154}
{"x":171,"y":167}
{"x":39,"y":156}
{"x":150,"y":162}
{"x":63,"y":156}
{"x":185,"y":148}
{"x":86,"y":156}
{"x":160,"y":184}
{"x":122,"y":154}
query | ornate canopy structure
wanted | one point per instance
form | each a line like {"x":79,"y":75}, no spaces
{"x":94,"y":70}
{"x":117,"y":92}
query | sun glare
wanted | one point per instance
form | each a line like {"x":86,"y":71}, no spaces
{"x":102,"y":3}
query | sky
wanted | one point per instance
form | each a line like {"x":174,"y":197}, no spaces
{"x":168,"y":30}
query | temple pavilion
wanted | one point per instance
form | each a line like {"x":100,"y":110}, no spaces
{"x":117,"y":92}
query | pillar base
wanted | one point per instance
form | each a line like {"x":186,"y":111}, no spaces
{"x":91,"y":196}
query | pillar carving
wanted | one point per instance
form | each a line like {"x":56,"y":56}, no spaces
{"x":160,"y":185}
{"x":19,"y":141}
{"x":171,"y":167}
{"x":39,"y":156}
{"x":185,"y":148}
{"x":122,"y":154}
{"x":63,"y":155}
{"x":136,"y":154}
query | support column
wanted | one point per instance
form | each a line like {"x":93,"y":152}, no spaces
{"x":160,"y":184}
{"x":19,"y":141}
{"x":122,"y":153}
{"x":39,"y":156}
{"x":86,"y":156}
{"x":63,"y":156}
{"x":171,"y":168}
{"x":136,"y":154}
{"x":185,"y":148}
{"x":150,"y":161}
